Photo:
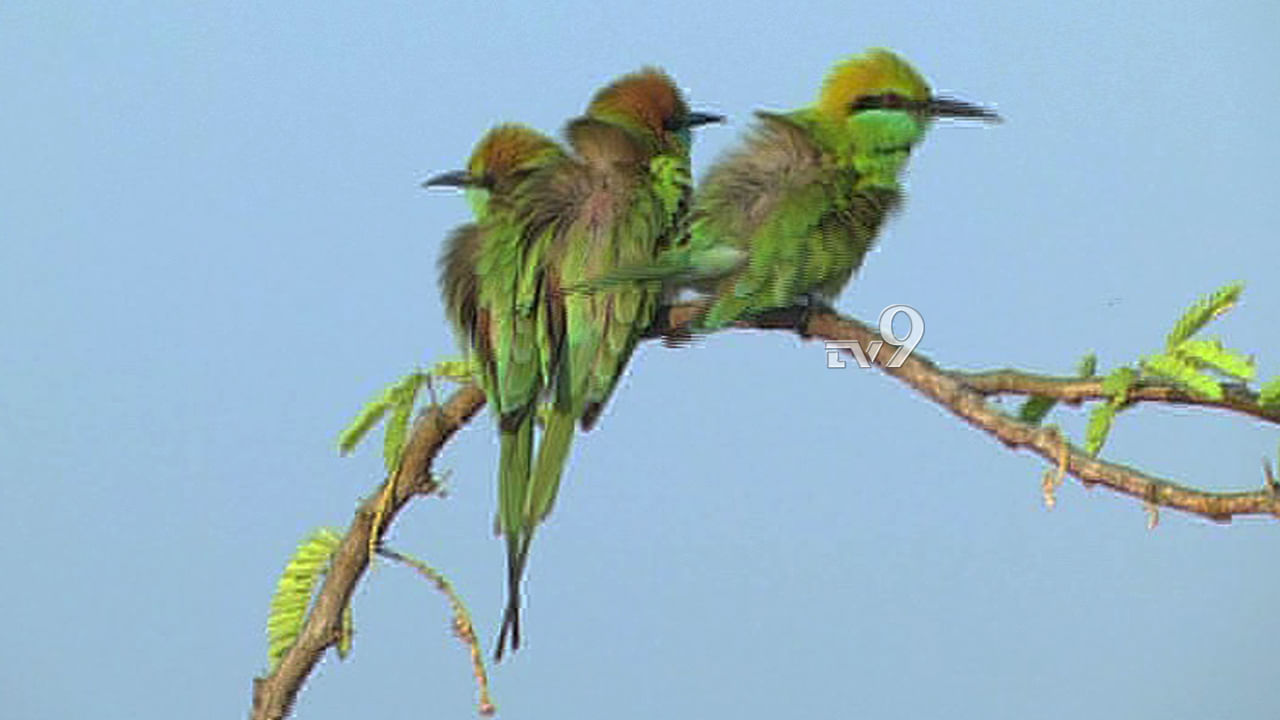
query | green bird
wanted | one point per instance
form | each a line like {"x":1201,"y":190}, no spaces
{"x":493,"y":283}
{"x":616,"y":201}
{"x":790,"y":215}
{"x":806,"y":195}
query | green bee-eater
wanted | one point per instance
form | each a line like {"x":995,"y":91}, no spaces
{"x":790,"y":215}
{"x":494,"y":285}
{"x":614,"y":202}
{"x":806,"y":195}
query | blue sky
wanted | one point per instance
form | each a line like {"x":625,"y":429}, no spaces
{"x":215,"y":250}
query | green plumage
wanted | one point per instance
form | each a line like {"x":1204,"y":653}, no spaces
{"x":614,"y":202}
{"x":494,"y":283}
{"x":572,"y":254}
{"x":790,"y":215}
{"x":798,"y":207}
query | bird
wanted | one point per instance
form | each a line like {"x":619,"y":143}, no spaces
{"x":616,"y":199}
{"x":493,"y":285}
{"x":788,"y":216}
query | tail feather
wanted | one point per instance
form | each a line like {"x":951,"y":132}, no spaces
{"x":539,"y":497}
{"x":553,"y":452}
{"x":510,"y":632}
{"x":514,"y":468}
{"x":509,"y":635}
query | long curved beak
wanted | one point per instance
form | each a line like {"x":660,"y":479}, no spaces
{"x":453,"y":178}
{"x":694,"y":119}
{"x":941,"y":106}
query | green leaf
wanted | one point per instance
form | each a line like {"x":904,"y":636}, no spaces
{"x":1269,"y":396}
{"x":1035,"y":408}
{"x":1117,"y":384}
{"x":404,"y":395}
{"x":1183,"y":373}
{"x":294,"y":590}
{"x":459,"y":371}
{"x":1211,"y":353}
{"x":368,"y":417}
{"x":392,"y":398}
{"x":1088,"y":366}
{"x":1095,"y":434}
{"x":1201,"y":312}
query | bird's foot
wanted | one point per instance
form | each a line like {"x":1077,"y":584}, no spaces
{"x":812,"y":306}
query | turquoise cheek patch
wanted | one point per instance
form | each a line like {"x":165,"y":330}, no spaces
{"x":884,"y":129}
{"x":882,"y":140}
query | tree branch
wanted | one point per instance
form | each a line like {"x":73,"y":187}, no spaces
{"x":953,"y":391}
{"x":962,"y":393}
{"x":274,"y":694}
{"x":1074,"y":390}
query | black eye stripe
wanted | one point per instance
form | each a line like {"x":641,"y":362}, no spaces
{"x":887,"y":101}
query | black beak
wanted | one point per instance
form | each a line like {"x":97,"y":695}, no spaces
{"x":694,"y":119}
{"x":453,"y":178}
{"x":938,"y":106}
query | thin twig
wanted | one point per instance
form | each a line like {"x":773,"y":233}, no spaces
{"x":462,"y":625}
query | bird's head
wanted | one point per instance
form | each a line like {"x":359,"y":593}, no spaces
{"x":648,"y":104}
{"x":878,"y":97}
{"x":506,"y":155}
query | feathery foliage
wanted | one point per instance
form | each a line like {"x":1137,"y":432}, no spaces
{"x":1099,"y":427}
{"x":1201,"y":312}
{"x":398,"y":399}
{"x":1195,"y":364}
{"x":1185,"y":373}
{"x":365,"y":421}
{"x":1088,"y":366}
{"x":294,"y":591}
{"x":1116,"y":385}
{"x":1211,"y":355}
{"x":1035,"y":409}
{"x":403,"y":396}
{"x":1269,"y":395}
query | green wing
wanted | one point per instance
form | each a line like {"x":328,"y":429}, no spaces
{"x":801,"y":220}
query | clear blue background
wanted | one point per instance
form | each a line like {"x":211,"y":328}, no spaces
{"x":213,"y":251}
